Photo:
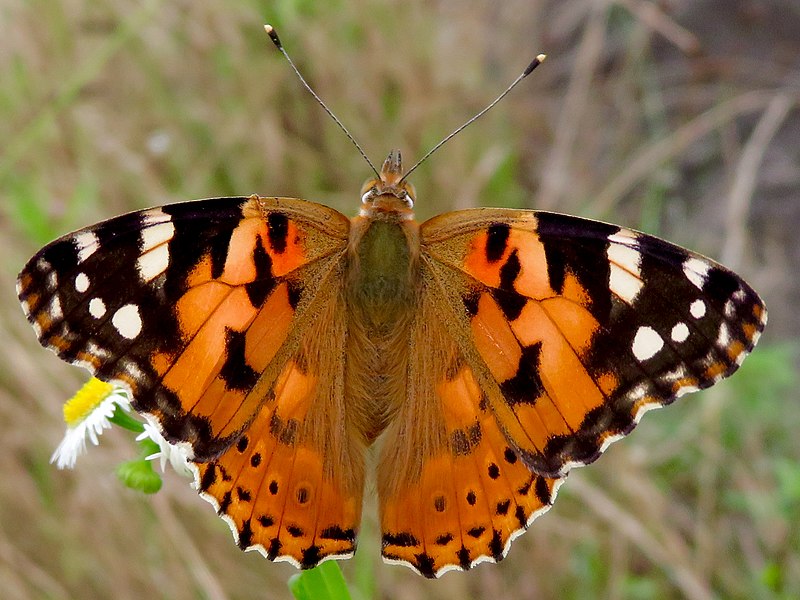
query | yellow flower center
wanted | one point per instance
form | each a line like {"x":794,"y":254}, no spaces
{"x":88,"y":398}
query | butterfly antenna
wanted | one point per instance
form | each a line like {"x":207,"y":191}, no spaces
{"x":273,"y":35}
{"x":534,"y":63}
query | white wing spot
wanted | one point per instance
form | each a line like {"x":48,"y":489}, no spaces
{"x":730,"y":309}
{"x":52,"y":280}
{"x":623,"y":284}
{"x":153,"y":263}
{"x":724,"y":337}
{"x":87,"y":243}
{"x":154,"y":216}
{"x":55,"y":311}
{"x":127,"y":321}
{"x":625,"y":277}
{"x":97,"y":308}
{"x":627,"y":257}
{"x":624,"y":236}
{"x":95,"y":350}
{"x":696,"y":271}
{"x":133,"y":370}
{"x":155,"y":235}
{"x":672,"y":377}
{"x":698,"y":309}
{"x":646,"y":343}
{"x":680,"y":332}
{"x":81,"y":282}
{"x":157,"y":230}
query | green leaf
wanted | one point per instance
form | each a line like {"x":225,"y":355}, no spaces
{"x":324,"y":582}
{"x":139,"y":475}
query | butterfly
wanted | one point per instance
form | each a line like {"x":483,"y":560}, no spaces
{"x":486,"y":352}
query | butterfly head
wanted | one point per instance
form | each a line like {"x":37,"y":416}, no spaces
{"x":389,"y":194}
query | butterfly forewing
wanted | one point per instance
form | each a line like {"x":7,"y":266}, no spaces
{"x":582,"y":325}
{"x":171,"y":303}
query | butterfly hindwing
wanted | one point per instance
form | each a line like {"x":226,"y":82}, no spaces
{"x":291,"y":486}
{"x":453,"y":492}
{"x":582,"y":326}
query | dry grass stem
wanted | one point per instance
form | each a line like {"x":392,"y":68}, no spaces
{"x":200,"y":568}
{"x":676,"y":562}
{"x":670,"y":147}
{"x":747,"y":172}
{"x":654,"y":18}
{"x":556,"y":175}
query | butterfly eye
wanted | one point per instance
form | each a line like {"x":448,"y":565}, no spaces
{"x":369,"y":195}
{"x":408,"y":199}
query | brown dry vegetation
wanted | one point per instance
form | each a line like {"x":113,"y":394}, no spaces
{"x":679,"y":117}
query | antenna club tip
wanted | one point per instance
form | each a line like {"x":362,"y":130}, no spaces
{"x":534,"y":63}
{"x":273,"y":35}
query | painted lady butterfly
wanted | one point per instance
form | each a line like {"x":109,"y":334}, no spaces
{"x":489,"y":351}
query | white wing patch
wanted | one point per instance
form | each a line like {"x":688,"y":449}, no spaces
{"x":698,"y":309}
{"x":696,"y":271}
{"x":646,"y":343}
{"x":154,"y":246}
{"x":625,"y":276}
{"x":87,"y":244}
{"x":127,"y":321}
{"x":97,"y":308}
{"x":680,"y":332}
{"x":81,"y":282}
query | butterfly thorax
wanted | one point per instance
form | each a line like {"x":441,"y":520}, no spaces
{"x":381,"y":290}
{"x":383,"y":250}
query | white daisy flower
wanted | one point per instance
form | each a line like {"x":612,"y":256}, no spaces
{"x":87,"y":413}
{"x":173,"y":453}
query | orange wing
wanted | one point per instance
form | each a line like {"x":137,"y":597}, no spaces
{"x":541,"y":339}
{"x":453,"y":491}
{"x":199,"y":309}
{"x":291,"y":486}
{"x":579,"y":327}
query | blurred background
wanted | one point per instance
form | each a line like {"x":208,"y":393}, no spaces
{"x":676,"y":117}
